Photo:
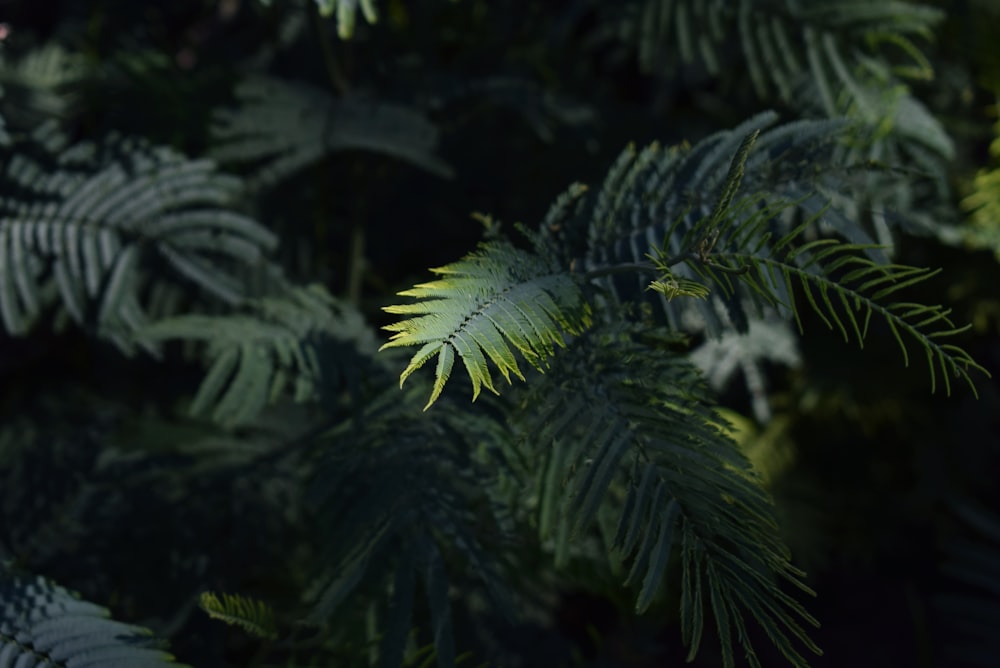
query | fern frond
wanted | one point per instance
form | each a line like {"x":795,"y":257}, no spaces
{"x":845,"y":288}
{"x":82,"y":228}
{"x":669,"y":202}
{"x":42,"y":623}
{"x":834,"y":59}
{"x":281,"y":127}
{"x":396,"y":490}
{"x":305,"y":342}
{"x":848,"y":56}
{"x":42,"y":85}
{"x":253,"y":616}
{"x":496,"y":296}
{"x":617,"y":412}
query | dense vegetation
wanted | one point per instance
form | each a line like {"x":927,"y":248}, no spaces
{"x":375,"y":332}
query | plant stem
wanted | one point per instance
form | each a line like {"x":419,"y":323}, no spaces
{"x":638,"y":267}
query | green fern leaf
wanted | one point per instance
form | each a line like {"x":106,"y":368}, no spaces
{"x":398,"y":491}
{"x":493,"y":299}
{"x":690,"y":490}
{"x":834,"y":59}
{"x":845,"y":288}
{"x":253,"y":616}
{"x":83,"y":223}
{"x":42,"y":623}
{"x":304,"y":343}
{"x":281,"y":127}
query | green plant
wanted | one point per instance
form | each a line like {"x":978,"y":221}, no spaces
{"x":248,"y":429}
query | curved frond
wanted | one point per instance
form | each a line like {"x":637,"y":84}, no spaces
{"x":304,"y":343}
{"x":628,"y":424}
{"x":281,"y":127}
{"x":253,"y":616}
{"x":42,"y":623}
{"x":496,"y":298}
{"x":83,"y":228}
{"x":845,"y":288}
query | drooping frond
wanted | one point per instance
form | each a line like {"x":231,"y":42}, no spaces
{"x":84,"y":226}
{"x":398,"y":488}
{"x":843,"y":286}
{"x":281,"y":127}
{"x":252,"y":615}
{"x":43,"y":624}
{"x":496,"y":298}
{"x":305,"y":343}
{"x":742,"y":245}
{"x":622,"y":420}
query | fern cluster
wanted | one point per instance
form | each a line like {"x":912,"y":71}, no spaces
{"x":341,"y":478}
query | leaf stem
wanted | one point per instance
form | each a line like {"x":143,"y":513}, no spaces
{"x":639,"y":267}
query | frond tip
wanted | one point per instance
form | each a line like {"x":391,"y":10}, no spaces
{"x":496,"y":296}
{"x":253,"y":616}
{"x":845,"y":289}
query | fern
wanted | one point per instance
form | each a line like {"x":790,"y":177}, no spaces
{"x":501,"y":294}
{"x":42,"y":624}
{"x":82,"y":229}
{"x":42,"y":85}
{"x":253,"y":616}
{"x":395,"y":491}
{"x":305,"y":341}
{"x":844,"y":288}
{"x":823,"y":59}
{"x":281,"y":127}
{"x":617,"y":401}
{"x":496,"y":296}
{"x":618,"y":407}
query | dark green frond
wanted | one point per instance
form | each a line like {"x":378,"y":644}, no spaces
{"x":674,"y":203}
{"x":85,"y":224}
{"x":281,"y":127}
{"x":845,"y":288}
{"x":396,"y":489}
{"x":253,"y":616}
{"x":493,"y":299}
{"x":631,"y":422}
{"x":832,"y":57}
{"x":305,"y":344}
{"x":43,"y":624}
